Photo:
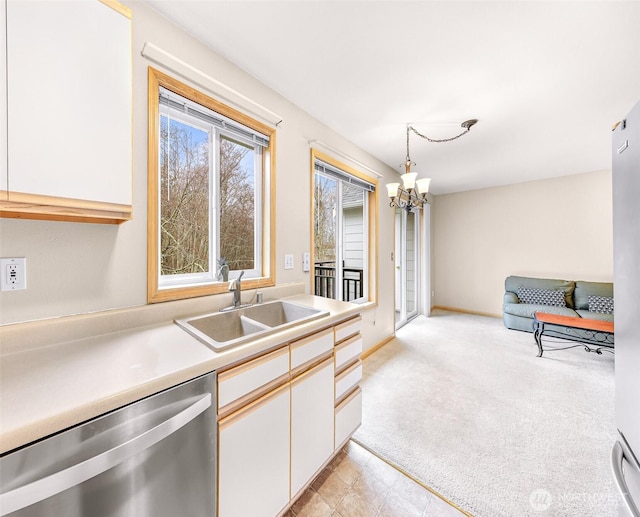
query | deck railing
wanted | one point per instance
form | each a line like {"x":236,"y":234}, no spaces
{"x":325,"y":281}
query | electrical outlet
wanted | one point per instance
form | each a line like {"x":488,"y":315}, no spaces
{"x":13,"y":274}
{"x":288,"y":261}
{"x":306,"y":261}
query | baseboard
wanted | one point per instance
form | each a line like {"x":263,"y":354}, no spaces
{"x":375,"y":347}
{"x":465,"y":311}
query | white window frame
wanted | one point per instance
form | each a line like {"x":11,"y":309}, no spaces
{"x":215,"y":135}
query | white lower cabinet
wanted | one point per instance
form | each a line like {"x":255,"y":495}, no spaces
{"x":312,"y":426}
{"x":254,"y":456}
{"x":348,"y":417}
{"x":282,"y":416}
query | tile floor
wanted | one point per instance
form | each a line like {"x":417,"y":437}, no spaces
{"x":359,"y":484}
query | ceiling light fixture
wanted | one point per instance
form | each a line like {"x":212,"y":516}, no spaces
{"x":413,"y":192}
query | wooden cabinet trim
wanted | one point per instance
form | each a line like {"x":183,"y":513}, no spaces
{"x":347,"y":371}
{"x":342,"y":346}
{"x":228,"y":420}
{"x":356,"y":320}
{"x":19,"y":205}
{"x":323,"y":363}
{"x":253,"y":395}
{"x":252,"y":363}
{"x":321,"y":344}
{"x":340,"y":393}
{"x":345,"y":401}
{"x":309,"y":338}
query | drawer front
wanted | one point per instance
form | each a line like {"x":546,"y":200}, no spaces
{"x":348,"y":351}
{"x":348,"y":379}
{"x":306,"y":350}
{"x":348,"y":328}
{"x":239,"y":383}
{"x":348,"y":417}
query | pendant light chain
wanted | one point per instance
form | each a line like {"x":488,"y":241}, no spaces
{"x":439,"y":141}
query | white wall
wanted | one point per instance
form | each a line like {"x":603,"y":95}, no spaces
{"x":75,"y":268}
{"x":555,"y":228}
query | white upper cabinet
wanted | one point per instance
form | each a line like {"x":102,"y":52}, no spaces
{"x":69,"y":91}
{"x":3,"y":104}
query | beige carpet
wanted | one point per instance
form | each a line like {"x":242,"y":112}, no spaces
{"x":464,"y":405}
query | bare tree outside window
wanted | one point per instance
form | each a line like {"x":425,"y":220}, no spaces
{"x":326,"y":194}
{"x":184,"y":200}
{"x":237,"y":205}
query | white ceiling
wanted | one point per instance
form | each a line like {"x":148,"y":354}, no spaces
{"x":547,"y":80}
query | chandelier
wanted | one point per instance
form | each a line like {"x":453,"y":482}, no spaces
{"x":412,"y":193}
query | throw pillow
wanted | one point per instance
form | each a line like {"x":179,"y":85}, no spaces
{"x":541,"y":296}
{"x":602,"y":304}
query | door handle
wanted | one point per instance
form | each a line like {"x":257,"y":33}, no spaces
{"x":617,"y":457}
{"x":62,"y":480}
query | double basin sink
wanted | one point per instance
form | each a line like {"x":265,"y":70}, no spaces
{"x":220,"y":330}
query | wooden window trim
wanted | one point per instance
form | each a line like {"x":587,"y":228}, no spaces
{"x":156,"y":79}
{"x":372,"y":273}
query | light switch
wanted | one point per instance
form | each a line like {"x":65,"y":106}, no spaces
{"x":288,"y":261}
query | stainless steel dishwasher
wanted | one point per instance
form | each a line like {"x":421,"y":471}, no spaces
{"x":155,"y":457}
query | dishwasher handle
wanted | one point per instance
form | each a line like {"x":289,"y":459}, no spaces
{"x":617,"y":458}
{"x":53,"y":484}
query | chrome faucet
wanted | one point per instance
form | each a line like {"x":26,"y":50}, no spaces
{"x":235,"y":286}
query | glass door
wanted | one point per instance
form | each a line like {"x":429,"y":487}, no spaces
{"x":406,"y":263}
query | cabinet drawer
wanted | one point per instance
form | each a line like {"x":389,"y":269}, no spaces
{"x":245,"y":382}
{"x":348,"y":351}
{"x":306,"y":350}
{"x":348,"y":328}
{"x":348,"y":417}
{"x":348,"y":379}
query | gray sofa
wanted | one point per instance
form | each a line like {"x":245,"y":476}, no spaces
{"x":577,"y":295}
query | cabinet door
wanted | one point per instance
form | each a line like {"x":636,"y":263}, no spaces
{"x":312,"y":417}
{"x":3,"y":104}
{"x":254,"y":454}
{"x":69,"y":93}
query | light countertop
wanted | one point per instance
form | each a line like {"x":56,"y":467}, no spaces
{"x":48,"y":388}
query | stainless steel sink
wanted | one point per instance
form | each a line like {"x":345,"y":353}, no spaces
{"x":279,"y":313}
{"x":220,"y":330}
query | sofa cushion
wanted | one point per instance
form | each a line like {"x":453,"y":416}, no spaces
{"x":602,"y":304}
{"x":512,"y":283}
{"x":527,"y":310}
{"x":601,"y":316}
{"x":585,"y":289}
{"x":541,"y":296}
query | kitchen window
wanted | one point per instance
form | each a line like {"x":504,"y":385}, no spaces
{"x":210,"y":175}
{"x":344,"y":202}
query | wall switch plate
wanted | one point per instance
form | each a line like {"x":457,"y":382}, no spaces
{"x":13,"y":274}
{"x":288,"y":261}
{"x":306,"y":261}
